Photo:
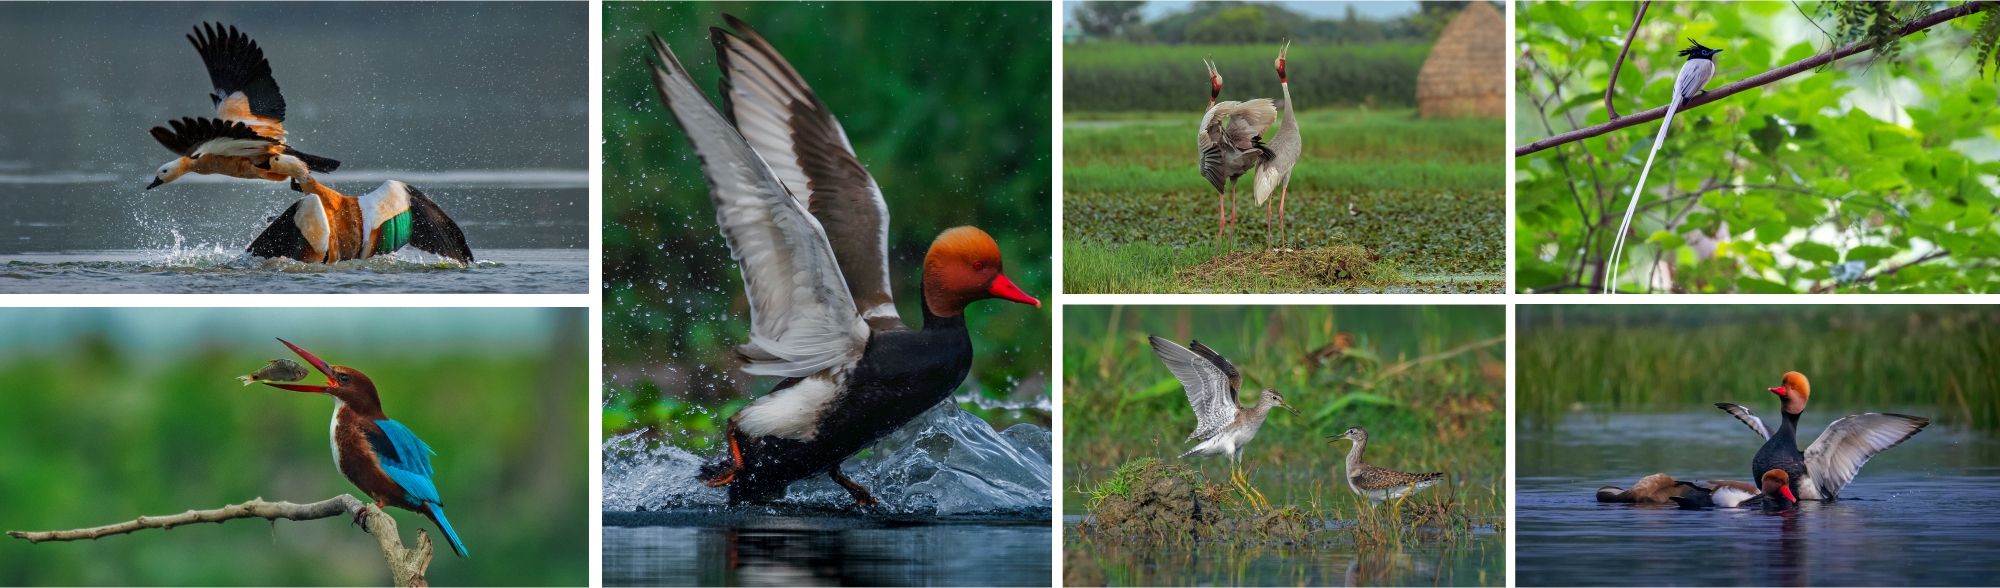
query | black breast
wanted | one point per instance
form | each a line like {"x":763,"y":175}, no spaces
{"x":901,"y":374}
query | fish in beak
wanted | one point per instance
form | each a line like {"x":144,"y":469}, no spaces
{"x":316,"y":363}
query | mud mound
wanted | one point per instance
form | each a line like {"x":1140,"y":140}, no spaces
{"x":1154,"y":499}
{"x":1340,"y":264}
{"x":1281,"y":523}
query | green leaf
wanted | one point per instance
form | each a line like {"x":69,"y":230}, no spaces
{"x":1667,"y":240}
{"x":1758,"y":286}
{"x":1870,"y":253}
{"x":1815,"y":252}
{"x":1568,"y":19}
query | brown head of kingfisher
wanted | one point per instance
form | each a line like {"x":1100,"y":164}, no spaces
{"x":380,"y":456}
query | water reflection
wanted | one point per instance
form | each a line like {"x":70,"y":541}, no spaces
{"x":811,"y":551}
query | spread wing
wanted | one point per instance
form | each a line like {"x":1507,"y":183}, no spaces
{"x":781,"y":117}
{"x":433,"y":231}
{"x":195,"y":137}
{"x":802,"y":319}
{"x":1743,"y":414}
{"x":1207,"y":386}
{"x":244,"y":89}
{"x":1247,"y":121}
{"x":1848,"y":443}
{"x":405,"y":458}
{"x":1210,"y":151}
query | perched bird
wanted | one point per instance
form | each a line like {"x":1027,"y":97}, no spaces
{"x":326,"y":226}
{"x":278,"y":370}
{"x":1283,"y":150}
{"x":1819,"y":472}
{"x":247,"y":137}
{"x":808,"y":225}
{"x":1212,"y":385}
{"x":1379,"y":484}
{"x":1229,"y":143}
{"x":1773,"y":493}
{"x":1694,"y":76}
{"x":1662,"y":488}
{"x":380,"y":456}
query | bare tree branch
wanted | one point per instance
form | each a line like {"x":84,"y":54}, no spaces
{"x":1756,"y":81}
{"x":406,"y":566}
{"x":1637,"y":17}
{"x":1939,"y":254}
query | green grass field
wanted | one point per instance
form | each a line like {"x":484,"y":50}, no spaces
{"x":1425,"y":195}
{"x":1427,"y":382}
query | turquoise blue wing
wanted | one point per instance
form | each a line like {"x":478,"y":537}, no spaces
{"x":406,"y":459}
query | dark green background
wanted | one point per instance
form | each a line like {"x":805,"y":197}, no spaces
{"x":110,"y":414}
{"x":947,"y":104}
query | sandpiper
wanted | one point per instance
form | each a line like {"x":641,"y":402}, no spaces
{"x":1376,"y":483}
{"x":1212,"y":385}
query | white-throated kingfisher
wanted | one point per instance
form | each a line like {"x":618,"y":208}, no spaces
{"x":380,"y":456}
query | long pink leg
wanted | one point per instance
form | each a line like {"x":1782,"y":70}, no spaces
{"x":1281,"y":210}
{"x":1267,"y":223}
{"x":1220,"y":211}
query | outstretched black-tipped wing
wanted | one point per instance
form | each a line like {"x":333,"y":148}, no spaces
{"x":1228,"y":369}
{"x":433,"y":231}
{"x":236,"y":65}
{"x":191,"y":137}
{"x":282,"y":238}
{"x":796,"y":134}
{"x":317,"y":164}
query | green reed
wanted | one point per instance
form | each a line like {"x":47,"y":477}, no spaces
{"x":1686,"y":358}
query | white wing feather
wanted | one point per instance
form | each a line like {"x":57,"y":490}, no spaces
{"x":802,"y":319}
{"x":1847,"y":444}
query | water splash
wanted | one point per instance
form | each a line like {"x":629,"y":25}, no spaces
{"x":945,"y":462}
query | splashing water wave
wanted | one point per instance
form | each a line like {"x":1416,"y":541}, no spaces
{"x":945,"y":462}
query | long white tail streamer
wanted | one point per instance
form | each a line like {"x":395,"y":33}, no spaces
{"x":1618,"y":245}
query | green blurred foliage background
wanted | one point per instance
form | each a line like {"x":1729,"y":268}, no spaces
{"x":947,"y":104}
{"x":1604,"y":358}
{"x":1445,"y":414}
{"x":1849,"y":178}
{"x":107,"y":415}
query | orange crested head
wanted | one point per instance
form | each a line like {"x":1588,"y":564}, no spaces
{"x":1794,"y":390}
{"x":962,"y":267}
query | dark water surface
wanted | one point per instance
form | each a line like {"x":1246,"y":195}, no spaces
{"x":1922,"y":513}
{"x":528,"y":230}
{"x":1477,"y":561}
{"x":799,"y":547}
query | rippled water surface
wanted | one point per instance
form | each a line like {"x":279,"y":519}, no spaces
{"x":528,"y":230}
{"x":961,"y":505}
{"x":1922,"y":513}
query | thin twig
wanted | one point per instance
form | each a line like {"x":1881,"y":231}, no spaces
{"x":406,"y":566}
{"x":1756,"y":81}
{"x":1939,"y":254}
{"x":1637,"y":17}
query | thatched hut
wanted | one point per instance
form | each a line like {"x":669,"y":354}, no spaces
{"x":1465,"y":75}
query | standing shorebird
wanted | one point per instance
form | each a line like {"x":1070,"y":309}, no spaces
{"x":1282,"y":153}
{"x":1230,"y":142}
{"x":1212,"y":383}
{"x":1379,"y":484}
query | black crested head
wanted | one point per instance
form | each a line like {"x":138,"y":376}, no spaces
{"x":1696,"y":50}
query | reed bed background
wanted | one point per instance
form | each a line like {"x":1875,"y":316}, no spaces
{"x":1113,"y":75}
{"x":1672,"y":359}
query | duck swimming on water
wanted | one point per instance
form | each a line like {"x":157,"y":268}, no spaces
{"x":1819,"y":472}
{"x":809,"y":227}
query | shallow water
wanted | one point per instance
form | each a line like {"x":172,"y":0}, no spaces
{"x":86,"y":234}
{"x":1479,"y":561}
{"x":518,"y":271}
{"x":961,"y":504}
{"x":1921,"y":513}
